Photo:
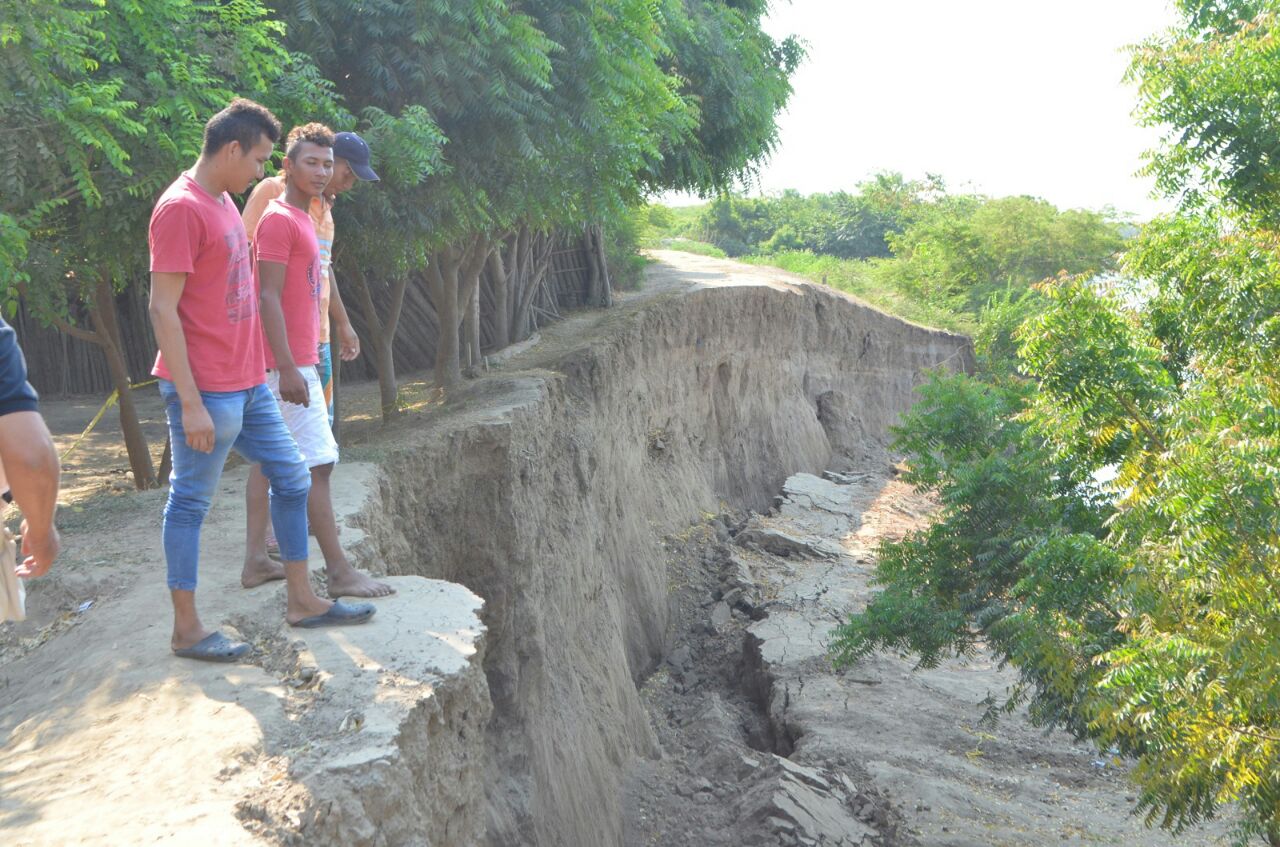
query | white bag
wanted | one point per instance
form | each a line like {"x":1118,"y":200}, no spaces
{"x":13,"y":595}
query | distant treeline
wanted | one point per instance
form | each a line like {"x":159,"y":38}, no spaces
{"x":906,"y":244}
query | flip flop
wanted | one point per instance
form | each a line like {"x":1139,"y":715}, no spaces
{"x":339,"y":614}
{"x":215,"y":648}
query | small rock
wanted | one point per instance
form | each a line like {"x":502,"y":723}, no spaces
{"x":732,"y":596}
{"x":721,"y":531}
{"x":780,"y":543}
{"x":352,"y":721}
{"x":721,"y":615}
{"x":681,"y":657}
{"x":737,"y":574}
{"x":804,"y":773}
{"x":703,"y":784}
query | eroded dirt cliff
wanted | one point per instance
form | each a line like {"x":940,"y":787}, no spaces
{"x":548,"y":492}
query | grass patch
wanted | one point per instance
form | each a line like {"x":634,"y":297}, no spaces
{"x":858,"y":277}
{"x":688,"y":245}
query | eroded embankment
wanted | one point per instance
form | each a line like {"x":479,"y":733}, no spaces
{"x":547,"y":494}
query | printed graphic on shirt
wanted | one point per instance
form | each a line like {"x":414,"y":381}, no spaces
{"x":242,"y":305}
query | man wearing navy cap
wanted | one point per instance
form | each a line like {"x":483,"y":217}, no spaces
{"x":350,"y":165}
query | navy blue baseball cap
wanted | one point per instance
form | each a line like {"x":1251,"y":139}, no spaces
{"x":349,"y":146}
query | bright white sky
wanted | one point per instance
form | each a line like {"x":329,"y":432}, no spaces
{"x":998,"y":96}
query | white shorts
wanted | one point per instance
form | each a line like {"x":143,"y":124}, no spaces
{"x":309,"y":424}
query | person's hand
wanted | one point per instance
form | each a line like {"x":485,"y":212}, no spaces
{"x":38,"y":552}
{"x":350,"y":342}
{"x":293,"y":387}
{"x":198,"y":427}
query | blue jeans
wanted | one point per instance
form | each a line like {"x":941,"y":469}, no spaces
{"x":250,"y":422}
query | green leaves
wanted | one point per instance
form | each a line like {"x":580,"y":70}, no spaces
{"x":1214,"y":89}
{"x":103,"y":107}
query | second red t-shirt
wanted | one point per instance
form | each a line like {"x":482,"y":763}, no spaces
{"x":286,"y":236}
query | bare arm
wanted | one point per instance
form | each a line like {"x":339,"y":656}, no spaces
{"x":293,"y":388}
{"x":31,"y":465}
{"x":347,"y":338}
{"x":166,"y":291}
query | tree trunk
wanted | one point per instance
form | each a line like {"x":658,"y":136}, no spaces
{"x":453,"y":278}
{"x":592,"y":294}
{"x":385,"y":363}
{"x":602,"y":295}
{"x":473,"y":326}
{"x":442,"y":275}
{"x":501,"y":300}
{"x":533,"y":274}
{"x":166,"y":462}
{"x":107,"y":335}
{"x":384,"y":336}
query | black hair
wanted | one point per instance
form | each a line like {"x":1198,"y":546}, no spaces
{"x":244,"y":121}
{"x":316,"y":133}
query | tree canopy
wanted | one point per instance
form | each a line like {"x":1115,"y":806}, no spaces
{"x":491,"y":121}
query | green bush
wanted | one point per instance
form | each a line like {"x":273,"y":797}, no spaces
{"x":859,"y":278}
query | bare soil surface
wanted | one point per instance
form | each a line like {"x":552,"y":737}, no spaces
{"x":756,"y":748}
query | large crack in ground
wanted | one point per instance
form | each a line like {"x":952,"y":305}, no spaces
{"x":764,"y":743}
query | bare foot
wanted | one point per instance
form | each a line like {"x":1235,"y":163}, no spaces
{"x":346,"y":581}
{"x":259,"y":570}
{"x":307,"y":608}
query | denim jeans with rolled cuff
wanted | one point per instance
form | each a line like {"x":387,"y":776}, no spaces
{"x":248,"y":421}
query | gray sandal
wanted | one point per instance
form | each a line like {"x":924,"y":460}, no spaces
{"x":215,"y":648}
{"x":339,"y":614}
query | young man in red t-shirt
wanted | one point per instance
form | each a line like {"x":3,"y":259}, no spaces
{"x":289,"y":267}
{"x":342,"y":579}
{"x":205,"y":311}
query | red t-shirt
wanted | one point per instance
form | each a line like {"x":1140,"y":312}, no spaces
{"x":195,"y":233}
{"x":286,"y":236}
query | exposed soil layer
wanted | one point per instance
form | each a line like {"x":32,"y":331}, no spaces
{"x":548,"y":493}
